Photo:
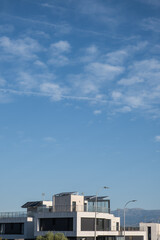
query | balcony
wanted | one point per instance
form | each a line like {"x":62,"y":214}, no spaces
{"x":57,"y":208}
{"x":80,"y":208}
{"x":13,"y":215}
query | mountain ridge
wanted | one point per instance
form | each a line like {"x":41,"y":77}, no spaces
{"x":133,"y":216}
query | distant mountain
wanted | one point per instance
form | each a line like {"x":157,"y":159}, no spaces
{"x":136,"y":215}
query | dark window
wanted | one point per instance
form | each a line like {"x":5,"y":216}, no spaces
{"x":73,"y":206}
{"x":117,"y":226}
{"x":107,"y":226}
{"x":134,"y":237}
{"x":88,"y":224}
{"x":100,"y":224}
{"x":12,"y":228}
{"x":149,"y":233}
{"x":56,"y":224}
{"x":106,"y":238}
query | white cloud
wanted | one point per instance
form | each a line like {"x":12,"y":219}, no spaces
{"x":134,"y":101}
{"x":60,"y":47}
{"x":151,"y":2}
{"x":59,"y":60}
{"x":40,"y":63}
{"x":2,"y":82}
{"x":49,"y":139}
{"x":89,"y":54}
{"x":24,"y":47}
{"x":57,"y":52}
{"x":92,"y":49}
{"x":152,"y":24}
{"x":26,"y":80}
{"x":130,"y":81}
{"x":53,"y":90}
{"x":97,"y":112}
{"x":144,"y":94}
{"x":4,"y":97}
{"x":116,"y":57}
{"x":83,"y":84}
{"x":116,"y":95}
{"x":157,"y":138}
{"x":104,"y":71}
{"x":125,"y":109}
{"x":60,"y":28}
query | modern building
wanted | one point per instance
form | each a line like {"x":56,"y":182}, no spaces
{"x":152,"y":230}
{"x":78,"y":217}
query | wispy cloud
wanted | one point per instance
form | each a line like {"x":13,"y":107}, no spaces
{"x":104,"y":71}
{"x":60,"y":47}
{"x":151,"y":24}
{"x":155,"y":3}
{"x":157,"y":138}
{"x":89,"y":54}
{"x":26,"y":81}
{"x":2,"y":82}
{"x":130,"y":81}
{"x":97,"y":112}
{"x":63,"y":28}
{"x":145,"y":92}
{"x":117,"y":57}
{"x":49,"y":139}
{"x":40,"y":64}
{"x":22,"y":47}
{"x":53,"y":90}
{"x":113,"y":78}
{"x":57,"y":53}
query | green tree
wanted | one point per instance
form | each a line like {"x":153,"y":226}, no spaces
{"x":51,"y":236}
{"x":59,"y":236}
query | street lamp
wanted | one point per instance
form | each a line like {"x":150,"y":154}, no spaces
{"x":95,"y":222}
{"x":125,"y":216}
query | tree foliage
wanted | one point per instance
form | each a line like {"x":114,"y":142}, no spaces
{"x":51,"y":236}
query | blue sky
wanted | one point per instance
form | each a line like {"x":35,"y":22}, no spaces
{"x":80,"y":100}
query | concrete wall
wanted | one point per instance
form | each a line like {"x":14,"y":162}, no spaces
{"x":99,"y":215}
{"x":155,"y":230}
{"x":64,"y":203}
{"x":73,"y":215}
{"x":28,"y":227}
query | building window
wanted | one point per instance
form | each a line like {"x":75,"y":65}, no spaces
{"x":12,"y":228}
{"x":88,"y":224}
{"x":56,"y":224}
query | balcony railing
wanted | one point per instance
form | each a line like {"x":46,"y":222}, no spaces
{"x":80,"y":208}
{"x":13,"y":214}
{"x":57,"y":208}
{"x":131,"y":228}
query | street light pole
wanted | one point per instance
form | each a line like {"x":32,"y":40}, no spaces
{"x":95,"y":220}
{"x":125,"y":216}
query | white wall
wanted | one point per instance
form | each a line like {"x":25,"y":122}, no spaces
{"x":155,"y":230}
{"x":64,"y":203}
{"x":99,"y":215}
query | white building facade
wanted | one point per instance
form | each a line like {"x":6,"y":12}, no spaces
{"x":152,"y":230}
{"x":78,"y":217}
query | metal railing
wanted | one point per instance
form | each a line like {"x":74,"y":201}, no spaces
{"x":79,"y":208}
{"x":13,"y":214}
{"x":131,"y":228}
{"x":57,"y":208}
